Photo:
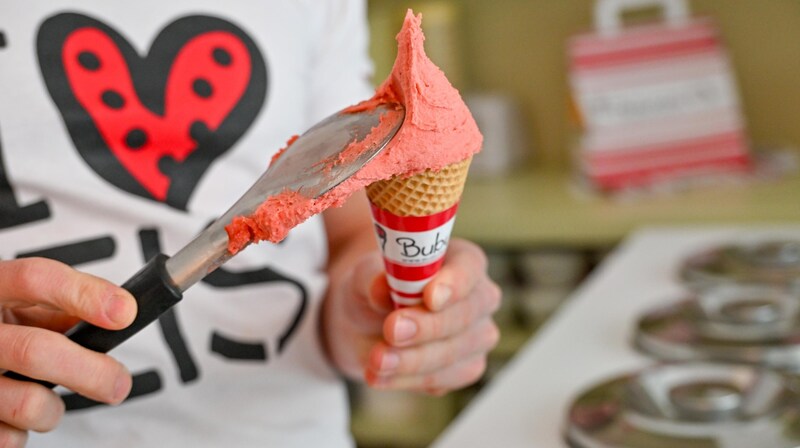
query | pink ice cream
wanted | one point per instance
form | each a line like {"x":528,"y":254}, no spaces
{"x":438,"y":131}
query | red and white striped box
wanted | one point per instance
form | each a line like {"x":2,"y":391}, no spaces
{"x":658,"y":102}
{"x":413,"y":250}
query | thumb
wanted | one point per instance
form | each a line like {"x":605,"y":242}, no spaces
{"x":372,"y":285}
{"x":379,"y":297}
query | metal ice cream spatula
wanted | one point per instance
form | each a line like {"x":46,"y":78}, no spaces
{"x":306,"y":167}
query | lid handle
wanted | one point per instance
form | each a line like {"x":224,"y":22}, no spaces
{"x":608,"y":13}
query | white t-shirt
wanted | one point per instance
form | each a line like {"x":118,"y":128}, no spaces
{"x":125,"y":129}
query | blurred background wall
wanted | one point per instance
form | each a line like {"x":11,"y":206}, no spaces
{"x":517,"y":47}
{"x":542,"y":239}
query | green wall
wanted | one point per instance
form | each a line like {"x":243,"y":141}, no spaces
{"x":518,"y":47}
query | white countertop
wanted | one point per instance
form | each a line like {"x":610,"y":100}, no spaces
{"x":588,"y":340}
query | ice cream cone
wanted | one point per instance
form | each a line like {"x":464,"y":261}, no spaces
{"x":414,"y":217}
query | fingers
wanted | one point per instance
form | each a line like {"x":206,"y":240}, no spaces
{"x":415,"y":325}
{"x":11,"y":437}
{"x":29,"y":406}
{"x":386,"y":360}
{"x":51,"y":284}
{"x":442,"y":344}
{"x":455,"y":376}
{"x":50,"y":294}
{"x":50,"y":356}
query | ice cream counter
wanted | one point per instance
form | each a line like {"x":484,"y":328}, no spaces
{"x":536,"y":399}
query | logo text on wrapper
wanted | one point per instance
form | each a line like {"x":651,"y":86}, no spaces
{"x":411,"y":249}
{"x":414,"y":248}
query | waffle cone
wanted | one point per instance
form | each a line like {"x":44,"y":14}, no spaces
{"x":423,"y":194}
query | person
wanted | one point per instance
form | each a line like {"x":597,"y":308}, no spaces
{"x":125,"y":129}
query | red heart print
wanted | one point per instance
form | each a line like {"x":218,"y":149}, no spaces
{"x":161,"y":131}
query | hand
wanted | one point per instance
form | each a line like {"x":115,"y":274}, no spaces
{"x":39,"y":299}
{"x":435,"y":347}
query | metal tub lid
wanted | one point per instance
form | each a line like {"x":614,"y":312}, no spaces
{"x":696,"y":405}
{"x":744,"y":324}
{"x":773,"y":262}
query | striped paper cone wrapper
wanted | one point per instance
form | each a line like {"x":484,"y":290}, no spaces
{"x":413,"y":218}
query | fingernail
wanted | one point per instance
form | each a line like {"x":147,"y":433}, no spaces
{"x":122,"y":387}
{"x":390,"y":361}
{"x":404,"y":329}
{"x":441,"y":295}
{"x":116,"y":309}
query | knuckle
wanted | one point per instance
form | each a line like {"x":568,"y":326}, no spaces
{"x":473,"y":310}
{"x":494,"y":297}
{"x":483,"y":337}
{"x":12,"y":437}
{"x":470,"y":254}
{"x":451,"y":355}
{"x":105,"y":372}
{"x":474,"y":370}
{"x":492,"y":335}
{"x":489,"y":297}
{"x":436,"y":327}
{"x":23,"y":349}
{"x":413,"y":361}
{"x":478,"y":256}
{"x":466,"y":319}
{"x":28,"y":273}
{"x":29,"y":409}
{"x":80,"y":292}
{"x":37,"y":409}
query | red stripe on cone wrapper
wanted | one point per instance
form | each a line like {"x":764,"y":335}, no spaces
{"x":412,"y":257}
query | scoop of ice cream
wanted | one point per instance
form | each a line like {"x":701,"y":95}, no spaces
{"x":438,"y":131}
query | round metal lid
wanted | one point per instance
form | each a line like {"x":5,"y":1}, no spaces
{"x":744,"y":324}
{"x":773,"y":262}
{"x":697,"y":405}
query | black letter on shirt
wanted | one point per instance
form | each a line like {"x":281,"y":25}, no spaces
{"x":74,"y":254}
{"x":11,"y":214}
{"x":144,"y":383}
{"x":222,"y":278}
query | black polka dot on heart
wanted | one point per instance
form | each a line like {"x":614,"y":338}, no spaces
{"x":199,"y":132}
{"x":113,"y":99}
{"x":167,"y":165}
{"x":202,"y":88}
{"x":222,"y":56}
{"x":135,"y":139}
{"x":89,"y":60}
